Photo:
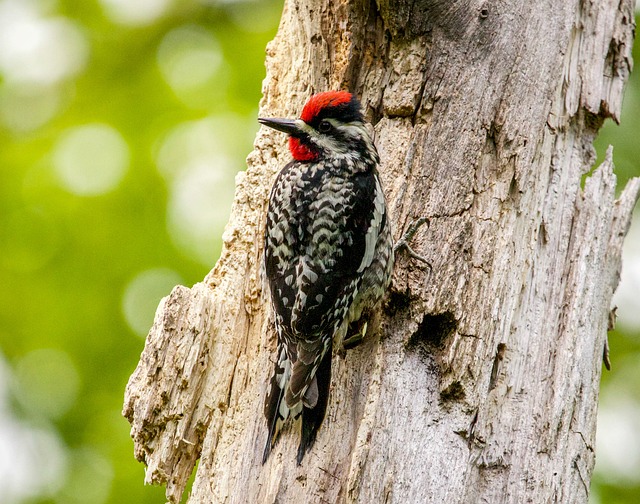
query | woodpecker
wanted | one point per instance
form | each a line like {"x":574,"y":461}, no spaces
{"x":328,"y":254}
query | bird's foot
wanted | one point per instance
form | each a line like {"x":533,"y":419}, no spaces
{"x":355,"y":339}
{"x":403,"y":243}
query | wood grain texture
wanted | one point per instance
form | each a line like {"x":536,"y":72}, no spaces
{"x":482,"y":383}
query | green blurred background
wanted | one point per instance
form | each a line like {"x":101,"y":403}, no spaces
{"x":122,"y":125}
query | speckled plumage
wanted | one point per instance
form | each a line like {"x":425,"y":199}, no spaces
{"x":328,"y":253}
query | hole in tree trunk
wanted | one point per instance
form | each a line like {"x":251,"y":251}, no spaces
{"x":398,"y":302}
{"x":433,"y":331}
{"x":454,"y":392}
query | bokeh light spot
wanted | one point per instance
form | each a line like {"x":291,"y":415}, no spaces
{"x":91,"y":159}
{"x":142,"y":295}
{"x":138,"y":12}
{"x":626,"y":296}
{"x":253,"y":15}
{"x":618,"y":439}
{"x":199,"y":206}
{"x":32,"y":462}
{"x":225,"y":134}
{"x":196,"y":159}
{"x":25,"y":107}
{"x":34,"y":49}
{"x":32,"y":459}
{"x":188,"y":57}
{"x":89,"y":479}
{"x":47,"y":382}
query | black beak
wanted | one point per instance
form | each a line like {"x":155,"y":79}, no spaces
{"x":284,"y":125}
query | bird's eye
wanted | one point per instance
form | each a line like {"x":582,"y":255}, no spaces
{"x":324,"y":126}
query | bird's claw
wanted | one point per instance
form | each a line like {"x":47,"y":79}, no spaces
{"x":403,"y":243}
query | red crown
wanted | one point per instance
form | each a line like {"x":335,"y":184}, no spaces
{"x":322,"y":100}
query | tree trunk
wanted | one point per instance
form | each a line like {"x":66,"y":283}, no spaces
{"x":482,"y":383}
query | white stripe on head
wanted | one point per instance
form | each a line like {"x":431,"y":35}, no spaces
{"x":329,"y":143}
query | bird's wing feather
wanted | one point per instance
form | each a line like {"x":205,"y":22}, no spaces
{"x":316,"y":248}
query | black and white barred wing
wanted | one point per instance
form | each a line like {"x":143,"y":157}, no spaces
{"x":315,"y":257}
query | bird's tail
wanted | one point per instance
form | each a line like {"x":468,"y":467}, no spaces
{"x":277,"y":411}
{"x":312,"y":417}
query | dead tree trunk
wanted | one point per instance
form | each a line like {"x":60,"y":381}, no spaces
{"x":482,"y":384}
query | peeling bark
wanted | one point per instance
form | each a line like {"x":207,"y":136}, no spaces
{"x":482,"y":382}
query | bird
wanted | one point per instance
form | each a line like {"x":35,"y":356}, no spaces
{"x":328,"y":255}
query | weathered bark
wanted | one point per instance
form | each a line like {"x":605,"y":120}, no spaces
{"x":482,"y":384}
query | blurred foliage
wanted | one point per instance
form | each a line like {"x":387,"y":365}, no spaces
{"x":82,"y":256}
{"x":122,"y":124}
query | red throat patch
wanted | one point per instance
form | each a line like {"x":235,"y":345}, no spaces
{"x":322,"y":100}
{"x":301,"y":152}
